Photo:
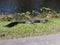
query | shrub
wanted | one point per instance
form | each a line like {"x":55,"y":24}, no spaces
{"x":6,"y":17}
{"x":27,"y":13}
{"x":23,"y":16}
{"x":27,"y":17}
{"x":9,"y":17}
{"x":2,"y":17}
{"x":35,"y":13}
{"x":47,"y":12}
{"x":58,"y":15}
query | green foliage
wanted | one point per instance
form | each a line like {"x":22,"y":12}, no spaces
{"x":28,"y":13}
{"x":47,"y":12}
{"x":43,"y":13}
{"x":23,"y":16}
{"x":58,"y":15}
{"x":6,"y":18}
{"x":9,"y":17}
{"x":35,"y":13}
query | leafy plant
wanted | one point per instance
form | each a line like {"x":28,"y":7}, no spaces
{"x":6,"y":18}
{"x":35,"y":13}
{"x":47,"y":12}
{"x":23,"y":16}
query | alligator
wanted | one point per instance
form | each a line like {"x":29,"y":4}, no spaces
{"x":27,"y":22}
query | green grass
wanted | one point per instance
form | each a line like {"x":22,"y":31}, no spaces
{"x":26,"y":30}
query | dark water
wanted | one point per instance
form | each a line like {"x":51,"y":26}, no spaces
{"x":8,"y":6}
{"x":13,"y":6}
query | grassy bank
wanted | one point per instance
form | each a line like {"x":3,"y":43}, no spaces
{"x":26,"y":30}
